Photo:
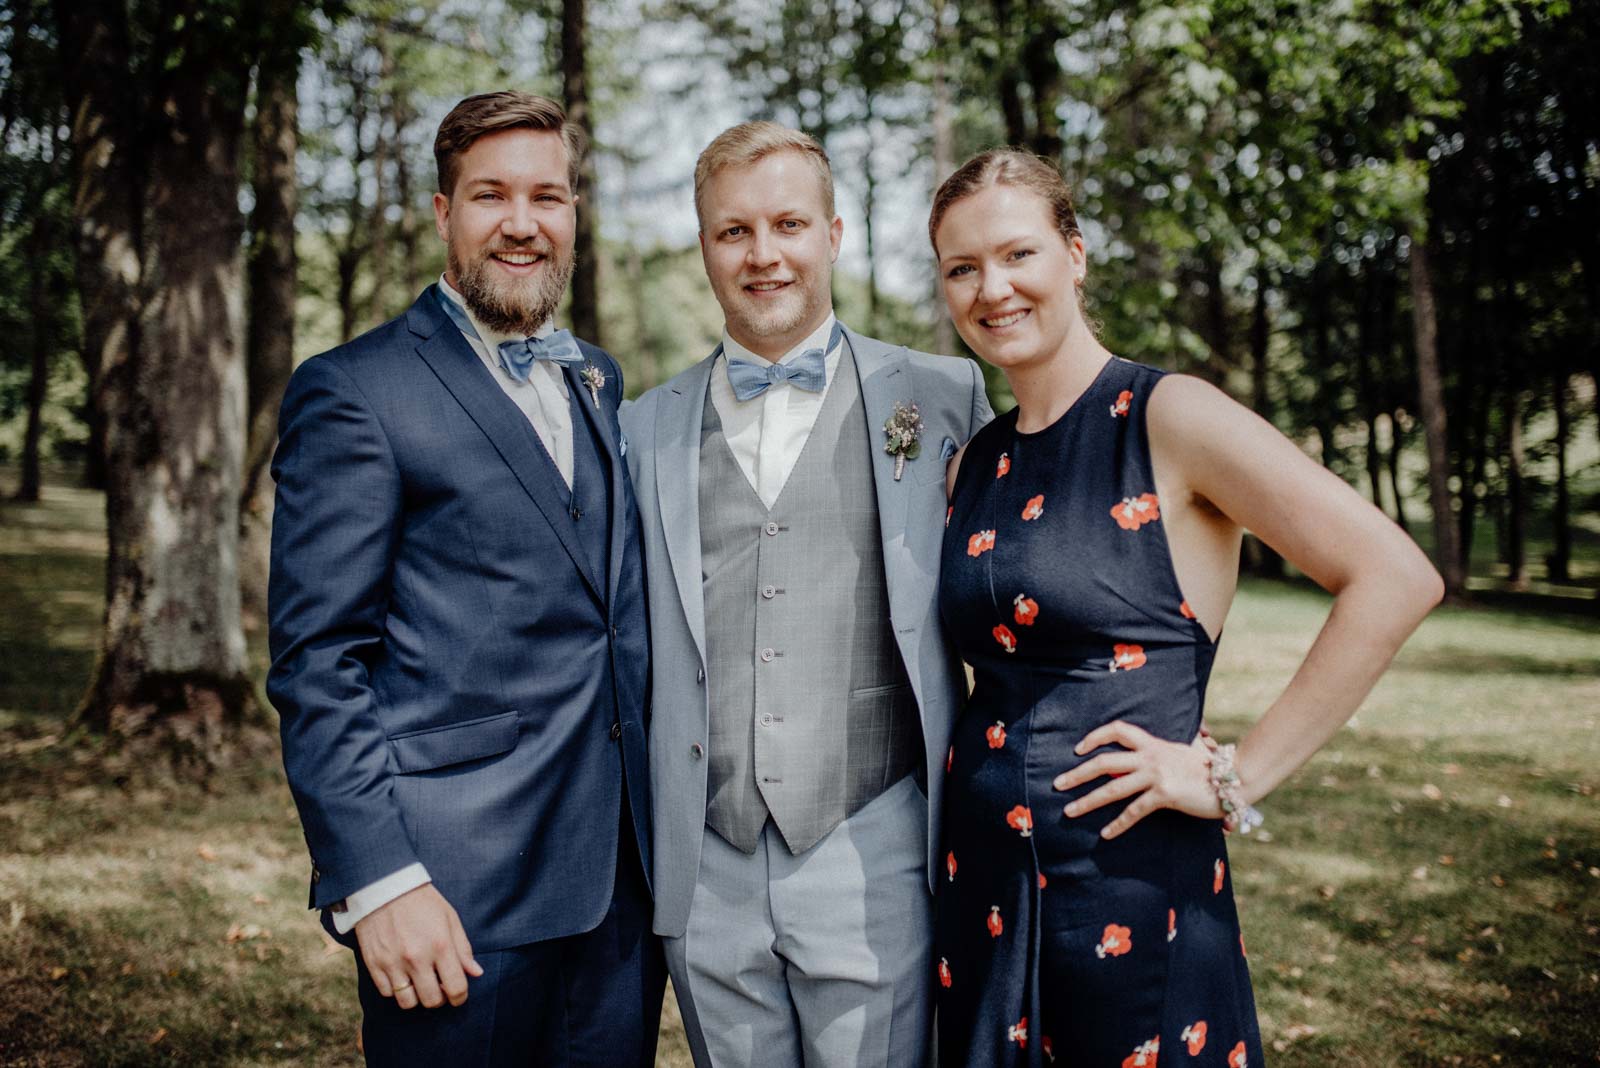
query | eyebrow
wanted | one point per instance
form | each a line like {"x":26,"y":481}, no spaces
{"x":501,"y":183}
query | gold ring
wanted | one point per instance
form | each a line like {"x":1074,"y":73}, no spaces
{"x":403,"y":986}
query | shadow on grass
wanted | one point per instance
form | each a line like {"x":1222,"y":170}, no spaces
{"x":1462,"y":660}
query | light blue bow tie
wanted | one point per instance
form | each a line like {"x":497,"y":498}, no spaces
{"x":808,"y":371}
{"x":518,"y":357}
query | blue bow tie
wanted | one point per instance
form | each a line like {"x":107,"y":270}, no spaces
{"x":518,"y":357}
{"x":808,"y":371}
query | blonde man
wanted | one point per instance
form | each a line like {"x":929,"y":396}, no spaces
{"x":802,"y":685}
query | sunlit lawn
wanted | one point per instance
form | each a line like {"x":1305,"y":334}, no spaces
{"x":1429,"y":893}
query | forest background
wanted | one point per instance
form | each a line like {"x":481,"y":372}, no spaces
{"x":1375,"y":222}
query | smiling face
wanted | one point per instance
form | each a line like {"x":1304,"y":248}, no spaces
{"x":508,"y":226}
{"x":1010,"y":277}
{"x":769,"y":244}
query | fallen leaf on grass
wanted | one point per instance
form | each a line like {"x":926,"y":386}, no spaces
{"x":205,"y":852}
{"x":259,"y":899}
{"x":1497,"y":880}
{"x":18,"y":910}
{"x":1503,"y":801}
{"x":1327,"y":892}
{"x":1431,"y":792}
{"x":127,"y":968}
{"x":1420,"y":872}
{"x":158,"y":1035}
{"x":57,"y":973}
{"x":1448,"y":860}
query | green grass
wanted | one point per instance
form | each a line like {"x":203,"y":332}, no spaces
{"x":1429,"y":892}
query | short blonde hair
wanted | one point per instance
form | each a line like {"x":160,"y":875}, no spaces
{"x":750,"y":142}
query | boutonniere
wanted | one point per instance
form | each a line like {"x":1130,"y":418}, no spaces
{"x":904,"y":431}
{"x":595,"y":379}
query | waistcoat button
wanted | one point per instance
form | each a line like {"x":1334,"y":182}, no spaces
{"x":769,"y":592}
{"x":771,"y":528}
{"x":767,"y":655}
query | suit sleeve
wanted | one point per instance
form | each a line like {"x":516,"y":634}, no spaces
{"x":334,"y":534}
{"x":981,"y":411}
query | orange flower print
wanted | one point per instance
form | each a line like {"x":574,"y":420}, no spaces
{"x":1043,"y":882}
{"x":1003,"y":466}
{"x":950,"y":760}
{"x":944,"y":975}
{"x":1237,"y":1058}
{"x":1134,"y":512}
{"x":1114,"y":941}
{"x":1044,"y":1044}
{"x":1121,"y":407}
{"x":1217,"y":871}
{"x":1026,"y":609}
{"x":1242,"y":953}
{"x":1127,"y":657}
{"x":1144,"y":1056}
{"x":980,"y":543}
{"x":1172,"y":925}
{"x":1193,"y":1036}
{"x":1003,"y":635}
{"x":996,"y":926}
{"x":996,"y":735}
{"x":950,"y":864}
{"x":1186,"y":611}
{"x":1021,"y":820}
{"x":1034,"y":508}
{"x":948,"y":512}
{"x":1018,"y":1033}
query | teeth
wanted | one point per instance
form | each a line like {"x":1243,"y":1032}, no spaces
{"x":765,"y":287}
{"x":1005,"y":320}
{"x":521,"y":258}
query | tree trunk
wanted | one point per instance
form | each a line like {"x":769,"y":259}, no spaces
{"x":1560,"y":559}
{"x":42,"y":336}
{"x":377,"y":298}
{"x":1430,"y":390}
{"x":869,"y":209}
{"x":1516,"y":504}
{"x":1396,"y":437}
{"x":155,"y":193}
{"x":585,"y":243}
{"x":1260,"y":558}
{"x":269,"y":340}
{"x":944,"y":333}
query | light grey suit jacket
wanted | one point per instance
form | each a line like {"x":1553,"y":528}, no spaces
{"x":663,"y":432}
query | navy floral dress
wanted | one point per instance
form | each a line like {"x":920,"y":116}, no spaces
{"x":1053,"y":945}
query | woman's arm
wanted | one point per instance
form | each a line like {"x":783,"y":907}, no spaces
{"x":1214,"y":455}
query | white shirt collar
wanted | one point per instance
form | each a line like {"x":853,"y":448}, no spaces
{"x":817,"y":339}
{"x":491,"y":338}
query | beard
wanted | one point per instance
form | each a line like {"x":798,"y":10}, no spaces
{"x":513,"y":305}
{"x":805,"y":304}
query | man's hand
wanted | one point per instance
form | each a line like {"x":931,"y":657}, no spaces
{"x":416,"y":951}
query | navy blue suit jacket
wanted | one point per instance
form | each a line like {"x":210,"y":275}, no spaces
{"x":455,"y":684}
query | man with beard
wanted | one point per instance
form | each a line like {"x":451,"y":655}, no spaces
{"x":459,"y":639}
{"x":792,"y":491}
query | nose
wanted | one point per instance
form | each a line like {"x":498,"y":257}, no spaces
{"x":520,"y":221}
{"x":762,"y":251}
{"x":993,"y":287}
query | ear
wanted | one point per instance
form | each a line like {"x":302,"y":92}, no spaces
{"x":835,"y":235}
{"x":441,"y":216}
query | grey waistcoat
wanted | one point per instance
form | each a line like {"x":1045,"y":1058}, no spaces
{"x":812,"y":715}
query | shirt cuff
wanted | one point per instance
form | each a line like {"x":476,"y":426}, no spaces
{"x":372,"y":897}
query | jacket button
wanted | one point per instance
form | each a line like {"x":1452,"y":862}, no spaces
{"x":616,"y":731}
{"x":697,"y":750}
{"x":767,"y":655}
{"x":700,"y":675}
{"x":772,"y":529}
{"x":316,"y":876}
{"x":766,"y":719}
{"x":769,"y":592}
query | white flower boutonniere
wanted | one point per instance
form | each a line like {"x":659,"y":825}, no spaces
{"x":904,"y":431}
{"x":595,"y":379}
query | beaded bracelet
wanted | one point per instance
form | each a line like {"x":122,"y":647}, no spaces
{"x":1237,"y":814}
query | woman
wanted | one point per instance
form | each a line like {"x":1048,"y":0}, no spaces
{"x":1089,"y":562}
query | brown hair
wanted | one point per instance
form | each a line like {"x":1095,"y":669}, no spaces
{"x":487,"y":113}
{"x":750,"y":142}
{"x":1006,"y":166}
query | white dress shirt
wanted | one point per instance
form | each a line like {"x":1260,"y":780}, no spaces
{"x":544,"y":400}
{"x":767,"y":433}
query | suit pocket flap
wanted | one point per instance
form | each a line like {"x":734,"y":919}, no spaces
{"x":439,"y":747}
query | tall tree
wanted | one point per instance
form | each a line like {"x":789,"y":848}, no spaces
{"x":157,"y":96}
{"x":585,"y":241}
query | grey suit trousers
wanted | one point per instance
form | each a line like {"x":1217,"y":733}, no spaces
{"x":820,"y":960}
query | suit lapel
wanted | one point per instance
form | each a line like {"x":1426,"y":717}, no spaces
{"x":604,"y":423}
{"x":677,"y":462}
{"x":885,"y":381}
{"x":450,"y":356}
